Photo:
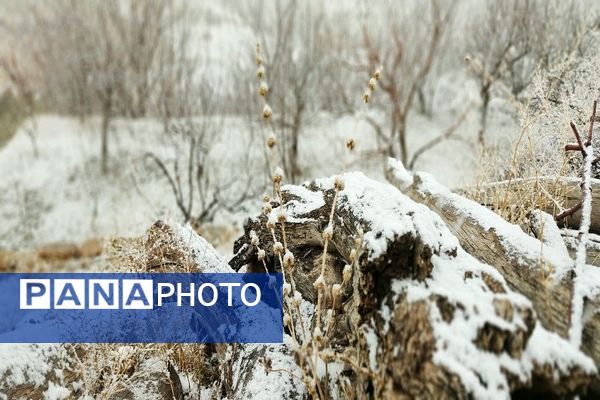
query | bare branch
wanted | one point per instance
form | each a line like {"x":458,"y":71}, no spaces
{"x":444,"y":136}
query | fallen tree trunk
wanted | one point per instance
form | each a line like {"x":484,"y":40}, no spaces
{"x":423,"y":313}
{"x":529,"y":266}
{"x":558,"y":193}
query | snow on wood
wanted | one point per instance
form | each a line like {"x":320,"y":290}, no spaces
{"x":439,"y":320}
{"x":545,"y":229}
{"x":528,"y":265}
{"x":511,"y":192}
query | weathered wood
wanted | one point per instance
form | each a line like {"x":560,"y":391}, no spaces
{"x":400,"y":295}
{"x":485,"y":235}
{"x":555,"y":194}
{"x":539,"y":272}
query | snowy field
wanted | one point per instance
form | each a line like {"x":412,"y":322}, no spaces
{"x":61,"y":196}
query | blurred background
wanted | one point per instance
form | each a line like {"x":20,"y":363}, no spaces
{"x":116,"y":114}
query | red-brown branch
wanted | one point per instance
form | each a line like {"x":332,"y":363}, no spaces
{"x":572,"y":147}
{"x":580,"y":146}
{"x":578,"y":137}
{"x":569,"y":211}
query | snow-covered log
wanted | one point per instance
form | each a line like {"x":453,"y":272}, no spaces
{"x":534,"y":269}
{"x":436,"y":322}
{"x":511,"y":192}
{"x":530,"y":266}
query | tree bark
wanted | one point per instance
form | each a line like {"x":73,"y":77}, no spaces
{"x":401,"y":256}
{"x":539,"y":272}
{"x":566,"y":192}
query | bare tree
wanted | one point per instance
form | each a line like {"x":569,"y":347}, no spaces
{"x":108,"y":57}
{"x":513,"y":38}
{"x":192,"y":124}
{"x":406,"y":52}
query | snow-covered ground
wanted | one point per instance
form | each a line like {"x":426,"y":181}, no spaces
{"x":62,"y":196}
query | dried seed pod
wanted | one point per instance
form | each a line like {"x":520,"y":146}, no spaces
{"x":328,"y":233}
{"x":327,"y":355}
{"x":277,"y":248}
{"x":288,"y":259}
{"x":347,"y":274}
{"x":277,"y":176}
{"x":352,"y":255}
{"x":267,"y":208}
{"x":260,"y":71}
{"x":336,"y":289}
{"x":366,"y":96}
{"x":318,"y":335}
{"x":267,"y":112}
{"x":338,"y":183}
{"x":377,"y":73}
{"x":297,"y":298}
{"x":350,"y":144}
{"x":372,"y":84}
{"x":319,"y":284}
{"x":263,"y":89}
{"x":282,"y":217}
{"x":254,"y":241}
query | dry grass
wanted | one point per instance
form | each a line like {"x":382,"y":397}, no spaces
{"x":526,"y":177}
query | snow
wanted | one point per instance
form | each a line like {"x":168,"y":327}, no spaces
{"x":56,"y":392}
{"x":549,"y":231}
{"x":281,"y":384}
{"x":390,"y":214}
{"x":542,"y":349}
{"x":203,"y":253}
{"x":62,"y":196}
{"x":303,"y":203}
{"x":20,"y":364}
{"x":513,"y":238}
{"x":372,"y":342}
{"x":483,"y":373}
{"x":576,"y":328}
